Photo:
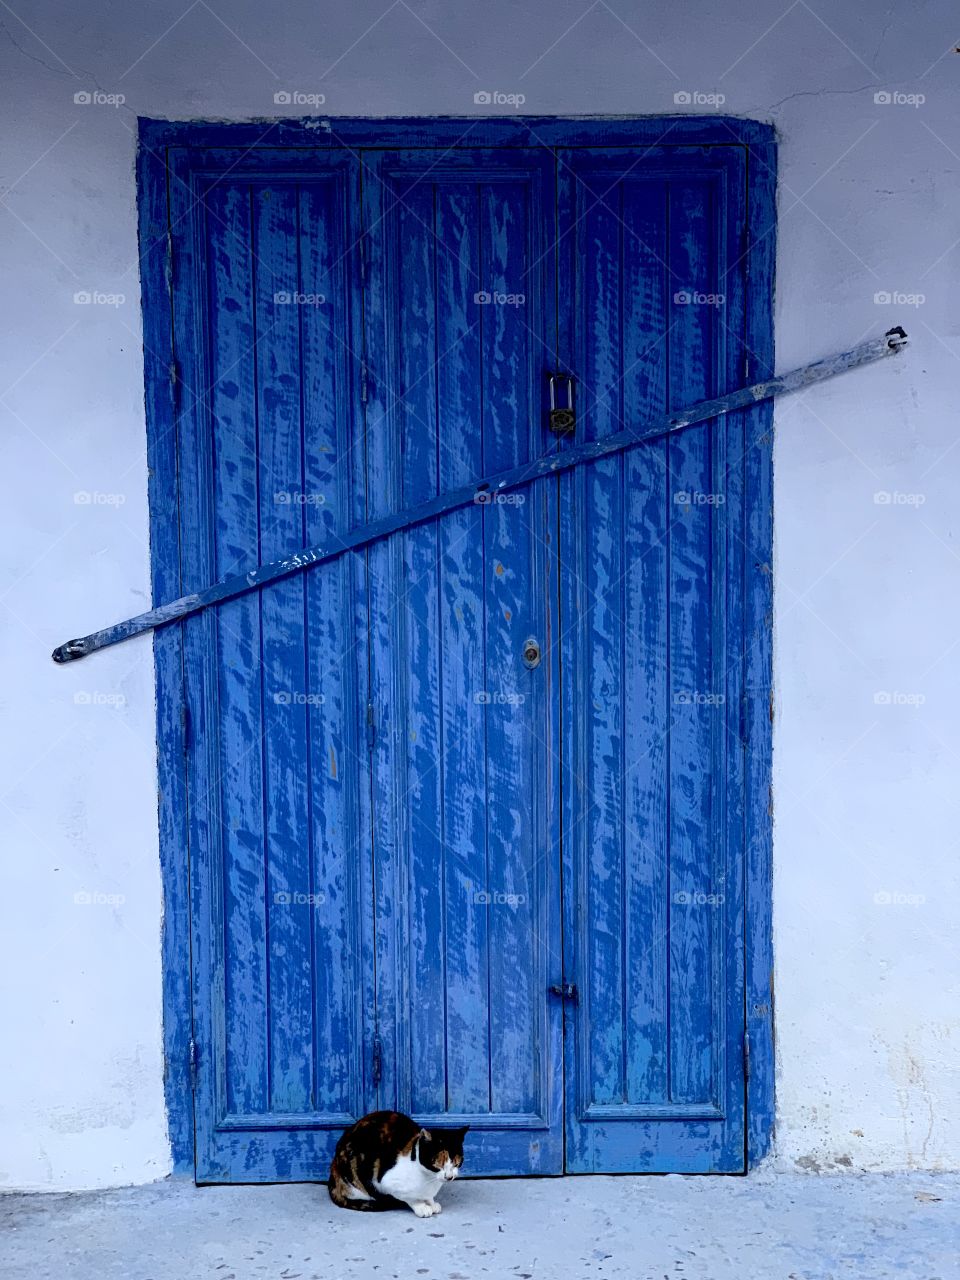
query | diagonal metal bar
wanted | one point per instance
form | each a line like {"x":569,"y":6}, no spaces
{"x":483,"y":491}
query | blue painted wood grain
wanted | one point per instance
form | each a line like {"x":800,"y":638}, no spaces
{"x":273,"y":1111}
{"x":459,"y":775}
{"x":164,"y":501}
{"x":654,"y":1055}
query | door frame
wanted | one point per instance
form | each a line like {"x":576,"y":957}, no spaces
{"x":155,"y":137}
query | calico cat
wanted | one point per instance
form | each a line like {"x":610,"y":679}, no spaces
{"x":386,"y":1161}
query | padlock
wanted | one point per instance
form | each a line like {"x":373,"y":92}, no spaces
{"x":563,"y":421}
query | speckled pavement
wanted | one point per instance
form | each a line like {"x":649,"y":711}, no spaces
{"x":856,"y":1226}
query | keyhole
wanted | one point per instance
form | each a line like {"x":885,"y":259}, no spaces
{"x":531,"y":653}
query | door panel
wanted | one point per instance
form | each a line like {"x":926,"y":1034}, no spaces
{"x":378,"y":781}
{"x":459,"y":330}
{"x":283,"y":916}
{"x":650,"y":660}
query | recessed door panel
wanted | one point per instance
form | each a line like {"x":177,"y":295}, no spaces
{"x":465,"y":757}
{"x":651,"y":669}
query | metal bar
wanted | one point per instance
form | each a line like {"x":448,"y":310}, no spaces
{"x":485,"y":491}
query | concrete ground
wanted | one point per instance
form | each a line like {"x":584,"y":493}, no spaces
{"x":768,"y":1226}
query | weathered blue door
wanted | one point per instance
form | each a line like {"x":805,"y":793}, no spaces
{"x":465,"y":807}
{"x":651,"y":560}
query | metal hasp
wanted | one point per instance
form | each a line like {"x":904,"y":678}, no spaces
{"x":484,"y":491}
{"x":563,"y":419}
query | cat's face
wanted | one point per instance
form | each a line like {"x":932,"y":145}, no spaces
{"x":441,"y":1151}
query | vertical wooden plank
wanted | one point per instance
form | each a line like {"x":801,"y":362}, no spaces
{"x":645,"y":284}
{"x":602,"y":569}
{"x":383,"y":808}
{"x":166,"y":583}
{"x":459,"y":640}
{"x":289,"y":894}
{"x":758,"y":625}
{"x":233,"y":438}
{"x":416,"y":320}
{"x":514,"y":610}
{"x":190,"y":279}
{"x":336,"y":762}
{"x":693,"y":697}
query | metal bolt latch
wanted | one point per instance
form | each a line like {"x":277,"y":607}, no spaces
{"x":563,"y":421}
{"x":531,"y":653}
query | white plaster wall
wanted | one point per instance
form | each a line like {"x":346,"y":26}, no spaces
{"x":867,"y":592}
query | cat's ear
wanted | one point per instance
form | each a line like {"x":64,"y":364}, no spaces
{"x":423,"y":1135}
{"x":463,"y":1131}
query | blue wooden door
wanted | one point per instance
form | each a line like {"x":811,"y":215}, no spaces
{"x":459,"y":322}
{"x":652,"y":565}
{"x":372,"y":763}
{"x":267,"y":317}
{"x":465,"y":807}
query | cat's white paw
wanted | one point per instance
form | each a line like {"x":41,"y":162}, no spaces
{"x":435,"y":1206}
{"x":423,"y":1209}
